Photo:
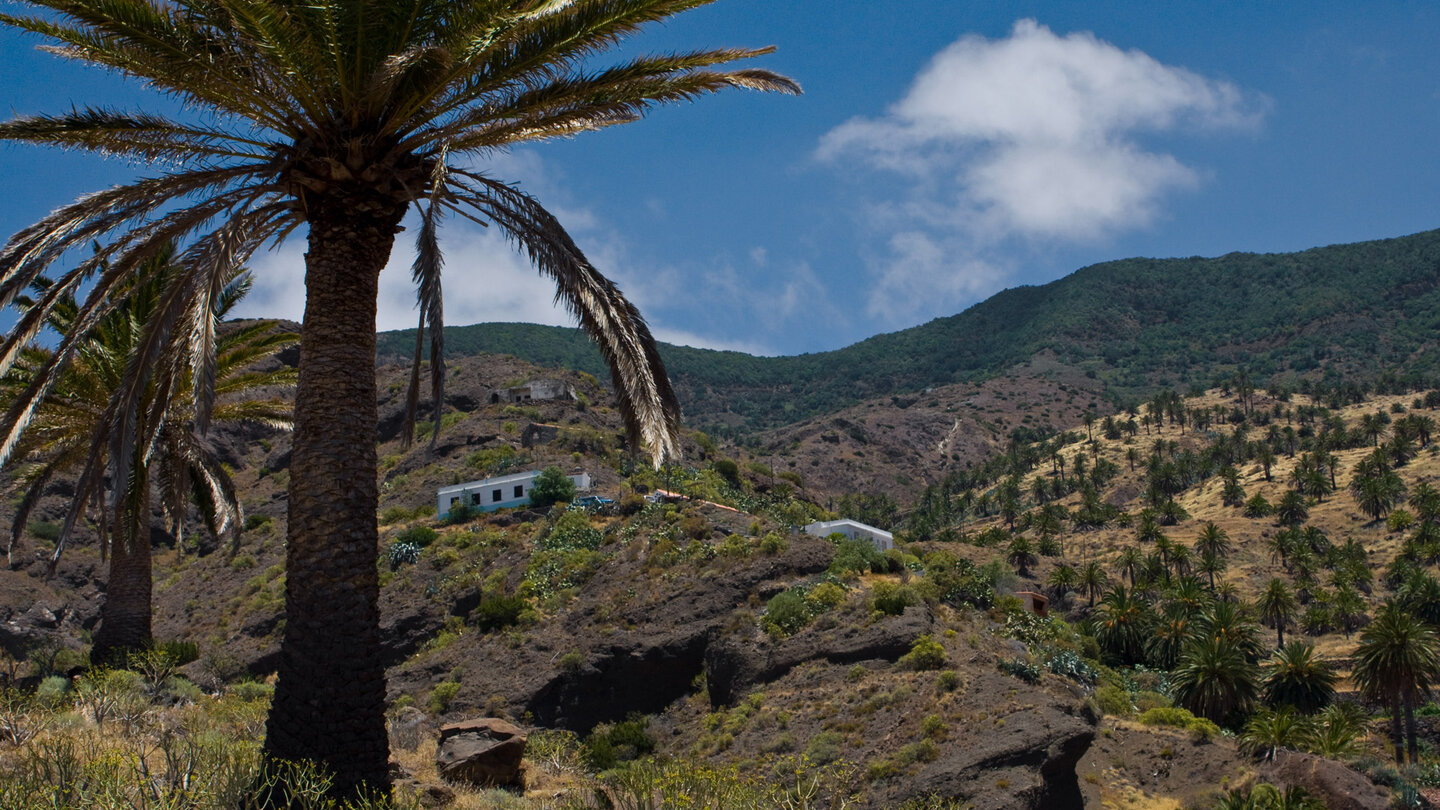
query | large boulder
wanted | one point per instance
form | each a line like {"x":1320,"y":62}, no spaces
{"x":485,"y":752}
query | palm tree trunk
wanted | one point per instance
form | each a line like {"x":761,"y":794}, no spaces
{"x":1412,"y":746}
{"x":329,"y":702}
{"x":1397,"y":737}
{"x":125,"y":613}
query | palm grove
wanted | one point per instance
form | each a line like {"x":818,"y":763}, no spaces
{"x":1160,"y":602}
{"x":341,"y":117}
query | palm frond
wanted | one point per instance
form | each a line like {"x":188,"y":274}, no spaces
{"x":149,"y":137}
{"x":647,"y":402}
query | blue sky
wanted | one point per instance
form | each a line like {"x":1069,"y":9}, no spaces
{"x":942,"y":152}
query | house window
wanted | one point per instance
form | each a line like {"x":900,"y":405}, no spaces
{"x":475,"y":499}
{"x":519,"y":490}
{"x":495,"y":496}
{"x":454,"y":501}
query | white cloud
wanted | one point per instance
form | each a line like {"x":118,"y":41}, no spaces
{"x":922,"y":268}
{"x":484,"y":280}
{"x":1033,"y":137}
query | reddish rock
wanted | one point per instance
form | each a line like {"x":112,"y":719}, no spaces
{"x":485,"y":752}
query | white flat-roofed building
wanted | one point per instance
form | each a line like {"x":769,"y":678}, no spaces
{"x":854,"y":529}
{"x":501,"y":492}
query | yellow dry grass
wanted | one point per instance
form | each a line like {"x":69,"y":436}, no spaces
{"x":1250,"y":566}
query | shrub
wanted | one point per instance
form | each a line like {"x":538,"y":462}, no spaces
{"x":824,"y":747}
{"x":421,"y":536}
{"x":786,"y":613}
{"x":610,"y":744}
{"x":52,"y":691}
{"x":857,"y":556}
{"x":572,"y":532}
{"x":496,"y":612}
{"x":253,"y":522}
{"x":773,"y":543}
{"x":250,"y":691}
{"x":442,"y":695}
{"x":948,"y":681}
{"x":736,"y":545}
{"x":825,"y":596}
{"x":1113,"y":700}
{"x":1176,"y":717}
{"x":892,"y":599}
{"x":395,"y":514}
{"x":552,"y":486}
{"x":180,"y":653}
{"x":461,"y":513}
{"x":925,"y":653}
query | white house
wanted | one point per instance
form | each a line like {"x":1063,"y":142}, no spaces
{"x":855,"y":530}
{"x":503,"y":491}
{"x":535,"y":389}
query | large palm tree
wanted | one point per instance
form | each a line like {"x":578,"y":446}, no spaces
{"x":341,"y":116}
{"x":1397,"y":662}
{"x":1215,"y":679}
{"x":71,"y":428}
{"x":1296,"y":676}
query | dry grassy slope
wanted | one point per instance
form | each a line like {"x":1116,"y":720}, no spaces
{"x":1251,"y":565}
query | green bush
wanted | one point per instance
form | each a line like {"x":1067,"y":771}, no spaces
{"x":824,"y":747}
{"x":442,"y":695}
{"x":395,"y":514}
{"x":250,"y":691}
{"x":773,"y":543}
{"x":53,"y":691}
{"x":180,"y":653}
{"x":461,"y":513}
{"x":421,"y":536}
{"x":857,"y":556}
{"x":1176,"y":717}
{"x":552,"y":486}
{"x":572,"y":531}
{"x":496,"y":612}
{"x":892,"y":599}
{"x":948,"y":681}
{"x":825,"y":596}
{"x":786,"y":613}
{"x":1113,"y":700}
{"x":925,"y":653}
{"x":610,"y":744}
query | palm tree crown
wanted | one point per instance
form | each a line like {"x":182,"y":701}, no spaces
{"x":340,"y":115}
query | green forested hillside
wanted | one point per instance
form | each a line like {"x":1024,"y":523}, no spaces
{"x":1133,"y":323}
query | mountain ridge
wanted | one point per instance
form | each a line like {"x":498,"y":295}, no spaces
{"x":1134,"y":324}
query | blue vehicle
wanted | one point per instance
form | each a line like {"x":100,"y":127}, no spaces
{"x":591,"y":503}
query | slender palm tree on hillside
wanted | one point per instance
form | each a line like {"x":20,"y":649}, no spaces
{"x":1397,"y":662}
{"x":1277,"y":608}
{"x":71,"y":433}
{"x":342,"y":116}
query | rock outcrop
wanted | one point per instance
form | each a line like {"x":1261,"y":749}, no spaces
{"x":486,"y":752}
{"x":733,"y":666}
